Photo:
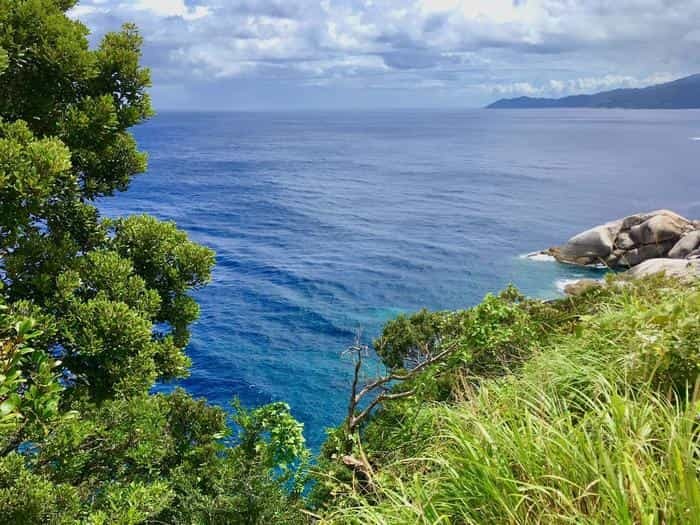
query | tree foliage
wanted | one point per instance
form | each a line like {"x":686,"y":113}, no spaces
{"x":94,"y":311}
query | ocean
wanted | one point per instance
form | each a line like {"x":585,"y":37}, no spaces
{"x":330,"y":223}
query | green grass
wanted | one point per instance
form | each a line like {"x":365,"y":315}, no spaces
{"x":600,"y":425}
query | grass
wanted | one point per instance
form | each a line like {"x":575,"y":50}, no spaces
{"x":600,"y":425}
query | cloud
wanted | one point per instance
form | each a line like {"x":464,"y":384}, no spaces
{"x":557,"y":87}
{"x":169,"y":8}
{"x":469,"y":47}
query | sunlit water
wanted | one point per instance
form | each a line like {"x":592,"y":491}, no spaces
{"x":324,"y":223}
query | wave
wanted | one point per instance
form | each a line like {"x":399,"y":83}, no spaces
{"x":538,"y":256}
{"x":543,"y":257}
{"x":561,"y":284}
{"x":697,"y":139}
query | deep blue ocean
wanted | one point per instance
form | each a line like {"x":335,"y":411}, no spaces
{"x":326,"y":223}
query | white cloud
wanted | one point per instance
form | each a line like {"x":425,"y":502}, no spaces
{"x":467,"y":47}
{"x":167,"y":8}
{"x":513,"y":89}
{"x":82,"y":11}
{"x":157,"y":8}
{"x":582,"y":85}
{"x":495,"y":11}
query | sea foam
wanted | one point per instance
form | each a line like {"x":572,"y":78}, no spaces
{"x":538,"y":256}
{"x":561,"y":284}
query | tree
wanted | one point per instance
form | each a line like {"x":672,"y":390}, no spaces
{"x":95,"y":311}
{"x":65,"y":142}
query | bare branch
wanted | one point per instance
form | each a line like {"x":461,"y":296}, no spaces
{"x":361,"y":465}
{"x":370,"y":387}
{"x":381,"y":383}
{"x":355,"y":380}
{"x":356,"y":420}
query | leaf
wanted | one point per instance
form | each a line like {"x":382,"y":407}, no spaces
{"x":7,"y":406}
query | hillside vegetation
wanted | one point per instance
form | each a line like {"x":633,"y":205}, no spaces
{"x":582,"y":410}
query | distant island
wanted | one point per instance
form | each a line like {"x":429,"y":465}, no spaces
{"x":683,"y":93}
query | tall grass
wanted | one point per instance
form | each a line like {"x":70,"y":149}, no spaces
{"x":600,"y":426}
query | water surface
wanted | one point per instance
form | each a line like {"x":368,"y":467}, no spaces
{"x":324,"y":223}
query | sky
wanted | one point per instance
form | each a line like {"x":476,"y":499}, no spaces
{"x":353,"y":54}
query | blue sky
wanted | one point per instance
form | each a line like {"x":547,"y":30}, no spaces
{"x":344,"y":54}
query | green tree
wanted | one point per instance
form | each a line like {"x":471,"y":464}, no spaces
{"x":64,"y":142}
{"x":95,"y":311}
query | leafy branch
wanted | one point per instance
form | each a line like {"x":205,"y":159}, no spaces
{"x":380,"y":387}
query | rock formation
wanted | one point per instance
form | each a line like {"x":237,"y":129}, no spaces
{"x":627,"y":242}
{"x":582,"y":286}
{"x":644,"y":244}
{"x":684,"y":269}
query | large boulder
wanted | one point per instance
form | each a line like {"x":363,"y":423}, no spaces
{"x":683,"y":269}
{"x":590,"y":247}
{"x":687,"y":245}
{"x":638,"y":218}
{"x":624,"y":241}
{"x":680,"y":268}
{"x":644,"y":252}
{"x":660,"y":228}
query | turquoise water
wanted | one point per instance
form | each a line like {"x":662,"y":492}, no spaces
{"x":326,"y":223}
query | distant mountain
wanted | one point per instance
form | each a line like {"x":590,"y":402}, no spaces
{"x":683,"y":93}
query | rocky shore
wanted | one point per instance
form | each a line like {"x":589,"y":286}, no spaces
{"x":642,"y":244}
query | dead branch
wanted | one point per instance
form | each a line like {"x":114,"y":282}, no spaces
{"x":361,"y":466}
{"x":359,"y":351}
